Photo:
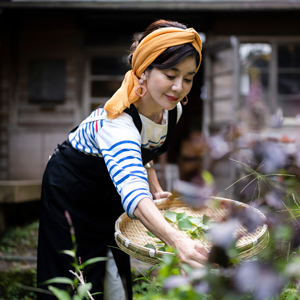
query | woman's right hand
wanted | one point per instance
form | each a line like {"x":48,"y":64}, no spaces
{"x":190,"y":252}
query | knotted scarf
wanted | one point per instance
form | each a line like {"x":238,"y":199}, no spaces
{"x":153,"y":45}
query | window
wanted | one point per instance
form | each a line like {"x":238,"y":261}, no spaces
{"x":47,"y":81}
{"x":255,"y":63}
{"x":271,"y":72}
{"x":105,"y":75}
{"x":288,"y":82}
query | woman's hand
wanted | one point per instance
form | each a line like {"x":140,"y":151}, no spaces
{"x":190,"y":252}
{"x":163,"y":195}
{"x":155,"y":187}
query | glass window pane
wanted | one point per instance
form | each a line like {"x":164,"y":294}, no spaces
{"x":109,"y":65}
{"x":289,"y":84}
{"x":290,"y":108}
{"x":254,"y":81}
{"x":289,"y":56}
{"x":104,"y":88}
{"x":255,"y":55}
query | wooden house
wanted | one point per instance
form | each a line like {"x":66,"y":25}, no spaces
{"x":59,"y":59}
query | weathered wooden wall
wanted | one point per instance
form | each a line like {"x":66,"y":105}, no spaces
{"x":34,"y":130}
{"x":5,"y":95}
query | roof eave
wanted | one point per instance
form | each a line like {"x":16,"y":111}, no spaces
{"x":157,"y":5}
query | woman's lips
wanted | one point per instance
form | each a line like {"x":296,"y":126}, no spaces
{"x":172,"y":98}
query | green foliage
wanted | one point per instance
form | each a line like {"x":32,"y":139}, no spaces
{"x":273,"y":274}
{"x":195,"y":226}
{"x":19,"y":239}
{"x":81,"y":288}
{"x":10,"y":287}
{"x":171,"y":216}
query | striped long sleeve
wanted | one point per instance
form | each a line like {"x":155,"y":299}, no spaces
{"x":120,"y":144}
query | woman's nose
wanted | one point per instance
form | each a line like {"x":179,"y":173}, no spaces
{"x":177,"y":86}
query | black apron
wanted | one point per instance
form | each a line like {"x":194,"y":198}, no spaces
{"x":80,"y":184}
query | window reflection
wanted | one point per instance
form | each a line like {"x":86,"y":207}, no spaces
{"x":254,"y":84}
{"x":289,"y":84}
{"x":289,"y":56}
{"x":288,"y":81}
{"x":255,"y":60}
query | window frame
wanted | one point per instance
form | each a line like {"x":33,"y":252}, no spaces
{"x":273,"y":92}
{"x":91,"y":52}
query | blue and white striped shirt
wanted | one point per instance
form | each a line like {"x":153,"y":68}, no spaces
{"x":119,"y":142}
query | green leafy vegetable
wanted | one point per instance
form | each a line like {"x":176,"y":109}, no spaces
{"x":185,"y":224}
{"x":171,"y":216}
{"x":150,"y":246}
{"x":195,"y":220}
{"x":151,"y":234}
{"x":206,"y":220}
{"x":181,"y":216}
{"x":164,"y":248}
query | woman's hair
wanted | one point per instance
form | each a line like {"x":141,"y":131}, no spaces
{"x":171,"y":56}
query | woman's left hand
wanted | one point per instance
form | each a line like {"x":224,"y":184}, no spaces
{"x":162,"y":195}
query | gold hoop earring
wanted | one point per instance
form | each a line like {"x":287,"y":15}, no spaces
{"x":143,"y":88}
{"x":186,"y":101}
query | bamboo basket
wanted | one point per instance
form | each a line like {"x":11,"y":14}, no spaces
{"x":131,"y":235}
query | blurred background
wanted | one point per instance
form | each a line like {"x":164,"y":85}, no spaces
{"x":61,"y":59}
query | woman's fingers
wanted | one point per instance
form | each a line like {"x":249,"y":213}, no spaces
{"x":201,"y":249}
{"x":193,"y":258}
{"x":192,"y":253}
{"x":162,"y":195}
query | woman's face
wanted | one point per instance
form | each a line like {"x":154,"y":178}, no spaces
{"x":167,"y":87}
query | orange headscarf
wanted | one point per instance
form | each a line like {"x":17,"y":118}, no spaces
{"x":153,"y":45}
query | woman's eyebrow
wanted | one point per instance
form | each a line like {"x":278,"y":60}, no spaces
{"x":176,"y":70}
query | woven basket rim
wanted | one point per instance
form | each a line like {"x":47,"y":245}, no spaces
{"x":246,"y":249}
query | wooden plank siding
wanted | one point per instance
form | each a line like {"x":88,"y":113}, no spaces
{"x":5,"y":95}
{"x":35,"y":130}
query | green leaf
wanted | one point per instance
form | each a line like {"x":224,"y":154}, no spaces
{"x":194,"y":234}
{"x":68,"y":252}
{"x":59,"y":280}
{"x":60,"y":294}
{"x":92,"y":261}
{"x":150,"y":246}
{"x":180,"y":216}
{"x":206,"y":220}
{"x":195,"y":220}
{"x":154,"y":267}
{"x":150,"y":233}
{"x":185,"y":224}
{"x":208,"y":178}
{"x":169,"y":259}
{"x":83,"y":288}
{"x":171,"y":216}
{"x":141,"y":278}
{"x":162,"y":249}
{"x":186,"y":268}
{"x":158,"y":241}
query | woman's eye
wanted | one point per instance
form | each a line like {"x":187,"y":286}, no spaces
{"x":170,"y":76}
{"x":188,"y":80}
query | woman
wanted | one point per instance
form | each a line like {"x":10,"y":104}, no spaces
{"x":103,"y":167}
